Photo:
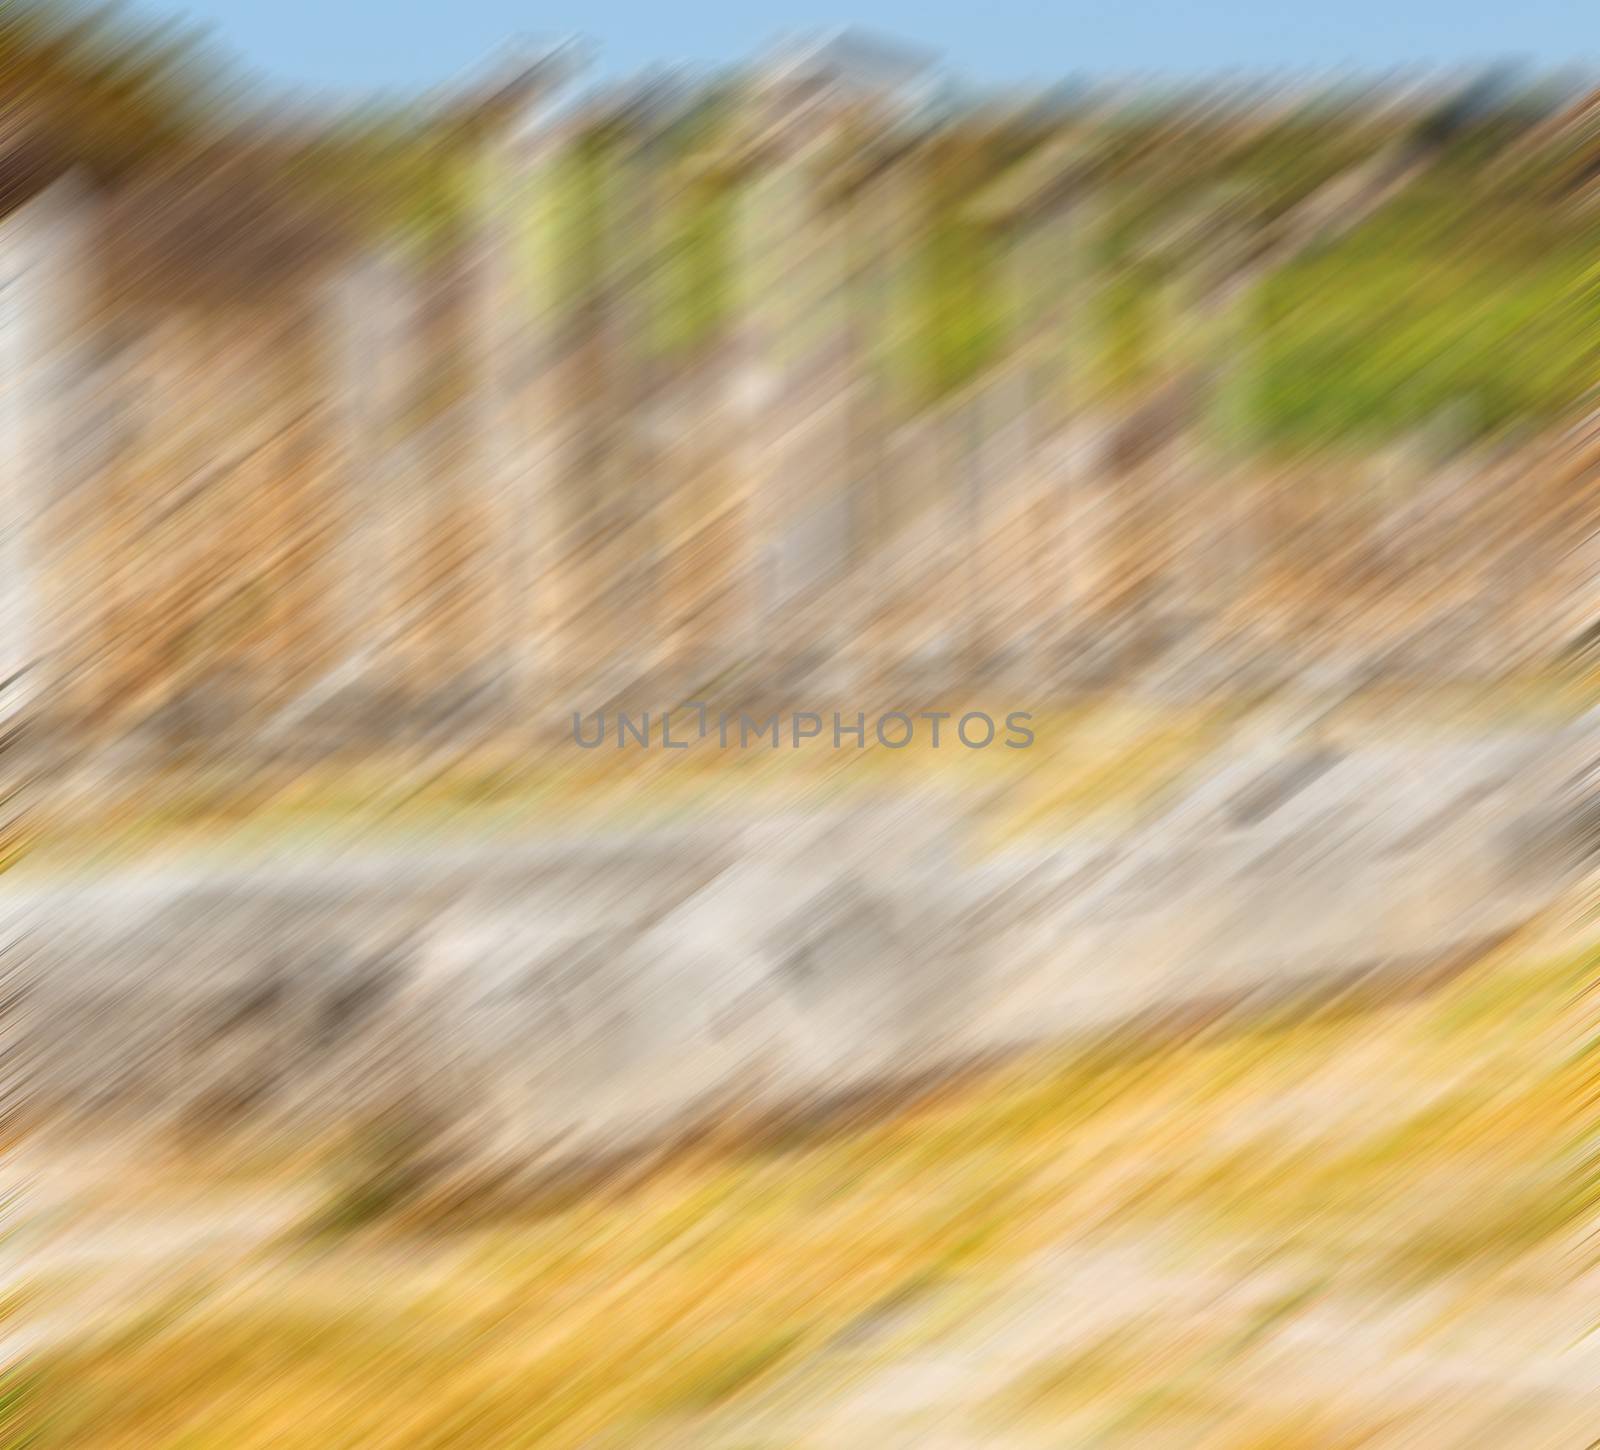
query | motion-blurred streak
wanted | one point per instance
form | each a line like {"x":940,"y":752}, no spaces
{"x":495,"y":949}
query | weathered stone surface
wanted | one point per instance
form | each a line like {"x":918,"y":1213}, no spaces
{"x":565,"y":996}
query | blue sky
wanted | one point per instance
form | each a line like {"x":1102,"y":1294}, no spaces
{"x":363,"y":44}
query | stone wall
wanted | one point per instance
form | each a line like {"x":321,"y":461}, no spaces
{"x":568,"y":995}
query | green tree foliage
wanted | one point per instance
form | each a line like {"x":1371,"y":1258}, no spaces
{"x":1473,"y":290}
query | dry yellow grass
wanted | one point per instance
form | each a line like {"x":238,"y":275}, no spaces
{"x":1163,"y":1240}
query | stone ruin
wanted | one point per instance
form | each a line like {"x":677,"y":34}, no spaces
{"x":568,"y":997}
{"x":275,"y":482}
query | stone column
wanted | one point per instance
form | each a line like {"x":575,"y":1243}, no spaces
{"x":375,"y":342}
{"x":1216,"y":292}
{"x":777,"y":230}
{"x":601,"y":572}
{"x":800,"y":368}
{"x":887,"y":483}
{"x":518,"y":317}
{"x":818,"y":206}
{"x":1054,"y":279}
{"x":641,"y":378}
{"x":539,"y":366}
{"x":368,"y":319}
{"x":43,"y":303}
{"x":1036,"y":214}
